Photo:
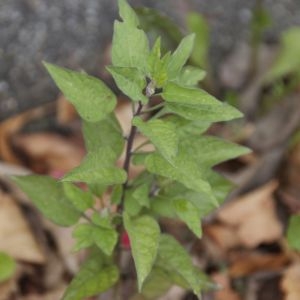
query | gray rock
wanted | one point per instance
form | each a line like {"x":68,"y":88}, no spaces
{"x":75,"y":33}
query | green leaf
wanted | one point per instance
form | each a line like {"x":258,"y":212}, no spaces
{"x":94,"y":277}
{"x":49,"y":197}
{"x":204,"y":113}
{"x":130,"y":47}
{"x":7,"y":266}
{"x":130,"y":81}
{"x":127,"y":13}
{"x":80,"y":199}
{"x":90,"y":96}
{"x":162,"y":135}
{"x":180,"y":56}
{"x":208,"y":151}
{"x":83,"y":236}
{"x":183,"y":169}
{"x":144,"y":235}
{"x":188,"y":213}
{"x":293,"y":231}
{"x":98,"y":167}
{"x":116,"y":194}
{"x":197,"y":24}
{"x":157,"y":283}
{"x":141,"y":194}
{"x":105,"y":133}
{"x":173,"y":256}
{"x":190,"y":76}
{"x":288,"y":60}
{"x":105,"y":239}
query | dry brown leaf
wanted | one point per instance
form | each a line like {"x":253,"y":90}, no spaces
{"x":251,"y":262}
{"x":65,"y":112}
{"x":223,"y":236}
{"x":254,"y":217}
{"x":225,"y":292}
{"x":290,"y":282}
{"x":16,"y":238}
{"x":48,"y":152}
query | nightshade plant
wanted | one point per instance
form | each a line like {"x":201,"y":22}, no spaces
{"x":177,"y":180}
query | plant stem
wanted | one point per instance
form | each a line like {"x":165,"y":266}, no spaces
{"x":129,"y":146}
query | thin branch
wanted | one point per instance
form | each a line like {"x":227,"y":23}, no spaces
{"x":126,"y":165}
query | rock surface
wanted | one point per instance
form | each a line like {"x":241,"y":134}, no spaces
{"x":75,"y":34}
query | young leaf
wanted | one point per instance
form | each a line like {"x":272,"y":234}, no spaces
{"x":80,"y":199}
{"x":188,"y":213}
{"x":7,"y":266}
{"x":141,"y":194}
{"x":127,"y":13}
{"x":175,"y":258}
{"x":49,"y":197}
{"x":293,"y":235}
{"x":162,"y":135}
{"x":106,"y":132}
{"x":144,"y":237}
{"x":190,"y":76}
{"x":106,"y":239}
{"x":94,"y":277}
{"x":180,"y":56}
{"x":130,"y":47}
{"x":91,"y":97}
{"x":130,"y":81}
{"x":98,"y":167}
{"x":82,"y":235}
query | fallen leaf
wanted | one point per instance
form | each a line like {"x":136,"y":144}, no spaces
{"x":247,"y":263}
{"x":290,"y":282}
{"x":16,"y":238}
{"x":253,"y":217}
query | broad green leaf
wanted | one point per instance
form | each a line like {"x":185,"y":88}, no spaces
{"x":190,"y":76}
{"x":94,"y":277}
{"x":105,"y":133}
{"x":204,"y":113}
{"x":102,"y":220}
{"x":131,"y":204}
{"x":163,"y":207}
{"x":141,"y":194}
{"x":127,"y":13}
{"x":288,"y":60}
{"x":208,"y":151}
{"x":7,"y":266}
{"x":130,"y":81}
{"x":186,"y":127}
{"x":144,"y":235}
{"x":176,"y":93}
{"x":293,"y":231}
{"x":162,"y":135}
{"x":91,"y":97}
{"x":130,"y":47}
{"x":82,"y":234}
{"x":157,"y":283}
{"x":154,"y":56}
{"x":49,"y":197}
{"x":98,"y":167}
{"x":188,"y":213}
{"x":81,"y":200}
{"x":184,"y":169}
{"x":197,"y":24}
{"x":105,"y":239}
{"x":175,"y":258}
{"x":180,"y":56}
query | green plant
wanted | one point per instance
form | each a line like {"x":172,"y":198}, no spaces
{"x":177,"y":180}
{"x":7,"y":267}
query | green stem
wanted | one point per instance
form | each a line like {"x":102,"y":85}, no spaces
{"x":153,"y":108}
